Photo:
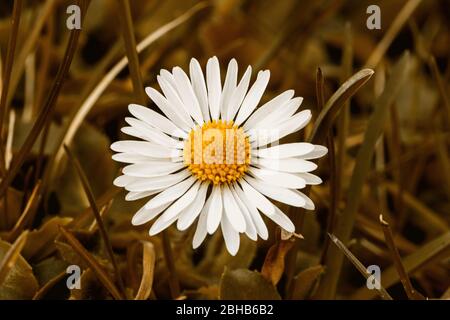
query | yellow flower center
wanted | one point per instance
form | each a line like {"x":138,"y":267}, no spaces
{"x":218,"y":151}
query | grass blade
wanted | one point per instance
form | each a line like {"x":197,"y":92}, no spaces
{"x":45,"y":112}
{"x":389,"y":238}
{"x":126,"y":22}
{"x":87,"y":105}
{"x":435,"y":250}
{"x":102,"y":276}
{"x":90,"y":195}
{"x":362,"y":165}
{"x":334,"y":104}
{"x":358,"y":265}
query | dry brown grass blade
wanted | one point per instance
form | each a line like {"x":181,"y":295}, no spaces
{"x":6,"y":77}
{"x":320,"y":96}
{"x":104,"y":209}
{"x":50,"y":284}
{"x":358,"y":265}
{"x":434,"y":250}
{"x":334,"y":196}
{"x":362,"y":165}
{"x":332,"y":163}
{"x":407,"y":285}
{"x":89,"y":259}
{"x":92,"y":98}
{"x":28,"y":213}
{"x":392,"y":32}
{"x":334,"y":104}
{"x":11,"y":256}
{"x":29,"y":45}
{"x":343,"y":120}
{"x":434,"y":220}
{"x":97,"y":215}
{"x":126,"y":22}
{"x":441,"y":86}
{"x":174,"y":284}
{"x":46,"y":110}
{"x":148,"y":268}
{"x":444,"y":159}
{"x":84,"y":218}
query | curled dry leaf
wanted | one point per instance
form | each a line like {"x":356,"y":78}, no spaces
{"x":148,"y":268}
{"x":273,"y":266}
{"x":40,"y":242}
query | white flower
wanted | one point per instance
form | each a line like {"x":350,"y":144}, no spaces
{"x":210,"y":157}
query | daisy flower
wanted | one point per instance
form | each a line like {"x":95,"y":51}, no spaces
{"x":212,"y":155}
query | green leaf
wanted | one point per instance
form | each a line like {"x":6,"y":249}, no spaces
{"x":243,"y":284}
{"x":20,"y":283}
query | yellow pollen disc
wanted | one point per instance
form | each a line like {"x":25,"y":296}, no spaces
{"x":218,"y":151}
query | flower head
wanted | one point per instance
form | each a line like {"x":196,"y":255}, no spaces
{"x":211,"y":157}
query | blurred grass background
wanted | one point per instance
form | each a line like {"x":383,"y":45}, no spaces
{"x":388,"y":141}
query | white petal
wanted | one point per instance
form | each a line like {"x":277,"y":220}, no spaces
{"x":284,"y":195}
{"x":260,"y":226}
{"x":214,"y":86}
{"x":286,"y":165}
{"x":250,"y":229}
{"x":253,"y":96}
{"x":286,"y":150}
{"x":280,"y":114}
{"x":309,"y":204}
{"x":188,"y":215}
{"x":230,"y":236}
{"x":170,"y":194}
{"x":152,"y":134}
{"x":145,"y":215}
{"x":131,"y":196}
{"x":134,"y":133}
{"x":160,"y":225}
{"x":294,"y":124}
{"x":148,"y":184}
{"x":169,"y":90}
{"x":152,"y":169}
{"x":175,"y":210}
{"x":164,"y":105}
{"x":269,"y":107}
{"x":200,"y":232}
{"x":318,"y":152}
{"x":232,"y":211}
{"x":156,"y":120}
{"x":145,"y":148}
{"x":215,"y":210}
{"x":133,"y":158}
{"x":199,"y":86}
{"x":269,"y":209}
{"x":239,"y":93}
{"x":228,"y":87}
{"x":257,"y":199}
{"x":123,"y":180}
{"x":310,"y":178}
{"x":282,"y":220}
{"x":187,"y":95}
{"x":277,"y":178}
